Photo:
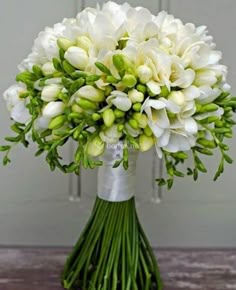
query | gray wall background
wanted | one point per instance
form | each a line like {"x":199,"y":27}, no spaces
{"x":34,"y":203}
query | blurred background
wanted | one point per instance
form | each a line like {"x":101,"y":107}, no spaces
{"x":34,"y":203}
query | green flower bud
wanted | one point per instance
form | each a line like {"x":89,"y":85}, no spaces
{"x":133,"y":123}
{"x":118,"y":62}
{"x":129,"y":81}
{"x":145,"y":143}
{"x":207,"y":143}
{"x":95,"y":147}
{"x":207,"y":108}
{"x":141,"y":119}
{"x":77,"y":109}
{"x":120,"y":127}
{"x":96,"y":116}
{"x":119,"y":114}
{"x":75,"y":115}
{"x":64,"y":43}
{"x":136,"y":96}
{"x":141,"y":88}
{"x":108,"y":117}
{"x":111,"y":80}
{"x":57,"y":122}
{"x":147,"y":131}
{"x":137,"y":107}
{"x":86,"y":104}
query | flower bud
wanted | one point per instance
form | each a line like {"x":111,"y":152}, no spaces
{"x":147,"y":131}
{"x":86,"y":104}
{"x":48,"y":68}
{"x":119,"y":114}
{"x":136,"y":96}
{"x":141,"y":88}
{"x":208,"y":108}
{"x":50,"y":93}
{"x":129,"y":81}
{"x":77,"y":109}
{"x":145,"y":143}
{"x":53,"y":109}
{"x":177,"y":97}
{"x":84,"y":42}
{"x":64,"y":43}
{"x":57,"y":122}
{"x":95,"y":147}
{"x":137,"y":107}
{"x":96,"y":117}
{"x":141,"y":119}
{"x":118,"y":62}
{"x":108,"y":117}
{"x":120,"y":127}
{"x":144,"y":74}
{"x":91,"y":93}
{"x":77,"y":57}
{"x":133,"y":123}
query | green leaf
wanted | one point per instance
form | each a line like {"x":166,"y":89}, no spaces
{"x":228,"y":159}
{"x":57,"y":64}
{"x":68,"y":68}
{"x":195,"y":174}
{"x":126,"y":164}
{"x":4,"y":148}
{"x":170,"y":183}
{"x":6,"y":160}
{"x":220,"y":170}
{"x":37,"y":71}
{"x":39,"y":152}
{"x":13,"y":139}
{"x":117,"y":163}
{"x":161,"y":181}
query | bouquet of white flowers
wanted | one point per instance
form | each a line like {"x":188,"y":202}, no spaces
{"x":120,"y":75}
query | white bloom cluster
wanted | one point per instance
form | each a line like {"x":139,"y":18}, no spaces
{"x":124,"y":73}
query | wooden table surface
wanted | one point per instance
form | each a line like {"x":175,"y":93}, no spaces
{"x":40,"y":268}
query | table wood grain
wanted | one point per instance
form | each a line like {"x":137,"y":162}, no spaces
{"x":40,"y":268}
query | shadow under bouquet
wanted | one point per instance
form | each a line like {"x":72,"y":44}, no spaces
{"x":118,"y":80}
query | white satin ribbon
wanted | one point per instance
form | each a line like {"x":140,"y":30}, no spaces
{"x":116,"y":184}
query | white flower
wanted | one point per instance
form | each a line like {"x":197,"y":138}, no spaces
{"x":15,"y":104}
{"x":120,"y":100}
{"x":53,"y":109}
{"x":77,"y":57}
{"x":172,"y":135}
{"x":110,"y":135}
{"x":50,"y":93}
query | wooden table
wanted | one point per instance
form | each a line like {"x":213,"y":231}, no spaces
{"x":39,"y":269}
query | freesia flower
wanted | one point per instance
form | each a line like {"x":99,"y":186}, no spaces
{"x":15,"y":104}
{"x":50,"y":92}
{"x":120,"y":100}
{"x":77,"y":57}
{"x":53,"y":109}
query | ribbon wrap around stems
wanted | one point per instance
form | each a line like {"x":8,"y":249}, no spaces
{"x":116,"y":184}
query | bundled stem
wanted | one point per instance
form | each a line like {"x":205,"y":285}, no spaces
{"x":113,"y":252}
